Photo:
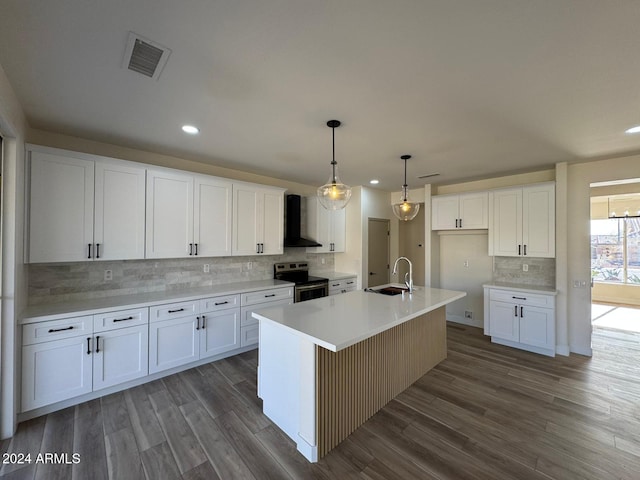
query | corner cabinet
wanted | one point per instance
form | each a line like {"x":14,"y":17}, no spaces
{"x":523,"y":221}
{"x":327,"y":227}
{"x":258,"y":220}
{"x":84,"y":207}
{"x":187,"y":215}
{"x":466,"y":211}
{"x":521,"y":319}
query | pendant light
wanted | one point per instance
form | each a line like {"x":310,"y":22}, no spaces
{"x":406,"y":209}
{"x":334,"y":195}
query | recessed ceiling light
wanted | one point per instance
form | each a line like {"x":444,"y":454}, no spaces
{"x":635,"y":129}
{"x":374,"y":182}
{"x":190,"y":129}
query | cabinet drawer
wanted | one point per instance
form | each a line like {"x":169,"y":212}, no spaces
{"x":249,"y":335}
{"x":173,"y":310}
{"x":522,"y":298}
{"x":262,"y":296}
{"x":120,"y":319}
{"x":219,"y":303}
{"x":56,"y":329}
{"x":342,"y":286}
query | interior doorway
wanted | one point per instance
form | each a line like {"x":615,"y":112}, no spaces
{"x":378,"y":257}
{"x":615,"y":255}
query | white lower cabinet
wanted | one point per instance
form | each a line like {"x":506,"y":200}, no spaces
{"x":62,"y":359}
{"x":344,"y":285}
{"x":521,"y":319}
{"x":250,"y":302}
{"x":194,"y":330}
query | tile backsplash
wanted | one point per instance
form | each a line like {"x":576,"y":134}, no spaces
{"x":62,"y":282}
{"x":542,"y":271}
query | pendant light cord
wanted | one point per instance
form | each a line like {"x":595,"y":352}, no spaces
{"x":333,"y":161}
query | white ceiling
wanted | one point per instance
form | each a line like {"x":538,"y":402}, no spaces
{"x":470,"y":88}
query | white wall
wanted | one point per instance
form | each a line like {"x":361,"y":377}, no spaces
{"x":580,"y":176}
{"x":377,"y":204}
{"x":456,"y":248}
{"x":351,"y":260}
{"x":13,"y":126}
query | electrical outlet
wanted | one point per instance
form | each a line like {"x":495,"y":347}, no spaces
{"x":108,"y":275}
{"x":525,"y":268}
{"x":466,"y":263}
{"x":206,"y":268}
{"x":468,"y":314}
{"x":249,"y":265}
{"x":322,"y":260}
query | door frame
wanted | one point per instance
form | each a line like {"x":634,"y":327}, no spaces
{"x":366,"y":272}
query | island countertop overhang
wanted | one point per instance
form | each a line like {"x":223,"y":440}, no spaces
{"x":339,"y":321}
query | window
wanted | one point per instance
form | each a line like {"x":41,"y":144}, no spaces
{"x":615,"y":250}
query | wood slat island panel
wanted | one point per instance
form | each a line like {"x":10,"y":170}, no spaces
{"x":354,"y":383}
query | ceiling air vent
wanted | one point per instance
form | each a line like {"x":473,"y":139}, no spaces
{"x":144,"y":56}
{"x":429,"y":175}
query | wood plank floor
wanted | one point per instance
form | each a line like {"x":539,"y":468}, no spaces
{"x":487,"y":412}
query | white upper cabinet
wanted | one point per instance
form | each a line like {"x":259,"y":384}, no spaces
{"x":119,"y":212}
{"x":465,"y":211}
{"x":258,"y":220}
{"x":327,"y":227}
{"x":212,"y":216}
{"x":83,"y":207}
{"x":187,"y":215}
{"x":169,"y":214}
{"x":523,"y":221}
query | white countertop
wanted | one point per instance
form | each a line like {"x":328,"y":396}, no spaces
{"x":39,"y":313}
{"x":334,"y":275}
{"x":340,"y":321}
{"x":521,"y":288}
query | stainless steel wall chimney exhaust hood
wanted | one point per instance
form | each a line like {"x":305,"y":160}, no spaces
{"x":292,"y":237}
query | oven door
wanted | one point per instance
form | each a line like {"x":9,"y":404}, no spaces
{"x":309,"y":292}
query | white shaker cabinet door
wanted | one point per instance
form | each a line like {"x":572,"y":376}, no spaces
{"x":474,"y":210}
{"x":504,"y":321}
{"x":507,"y":223}
{"x":246,"y":208}
{"x":169,"y":224}
{"x":219,"y":332}
{"x":120,"y":355}
{"x":538,"y":221}
{"x":212,"y":217}
{"x":55,"y":371}
{"x":272,"y":222}
{"x":119,"y":212}
{"x":61,"y":208}
{"x":444,"y":212}
{"x":173,"y":342}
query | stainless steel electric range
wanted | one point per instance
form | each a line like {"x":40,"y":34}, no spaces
{"x":306,"y":287}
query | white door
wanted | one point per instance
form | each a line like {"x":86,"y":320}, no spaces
{"x":55,"y":371}
{"x":245,"y":220}
{"x":212,"y":217}
{"x":474,"y":210}
{"x":169,"y":232}
{"x":272,"y":222}
{"x":173,"y":342}
{"x":538,"y":221}
{"x":507,"y":223}
{"x":119,"y":212}
{"x":537,"y":327}
{"x":120,"y":355}
{"x":61,"y":208}
{"x":444,"y":212}
{"x":338,"y":230}
{"x":219,"y":332}
{"x":504,"y":321}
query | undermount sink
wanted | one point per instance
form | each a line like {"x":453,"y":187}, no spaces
{"x":389,"y":290}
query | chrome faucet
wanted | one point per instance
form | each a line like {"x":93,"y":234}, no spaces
{"x":408,"y":283}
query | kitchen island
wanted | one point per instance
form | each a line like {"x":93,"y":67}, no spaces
{"x":325,"y":366}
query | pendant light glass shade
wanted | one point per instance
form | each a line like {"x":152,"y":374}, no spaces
{"x":406,"y":209}
{"x":334,"y":195}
